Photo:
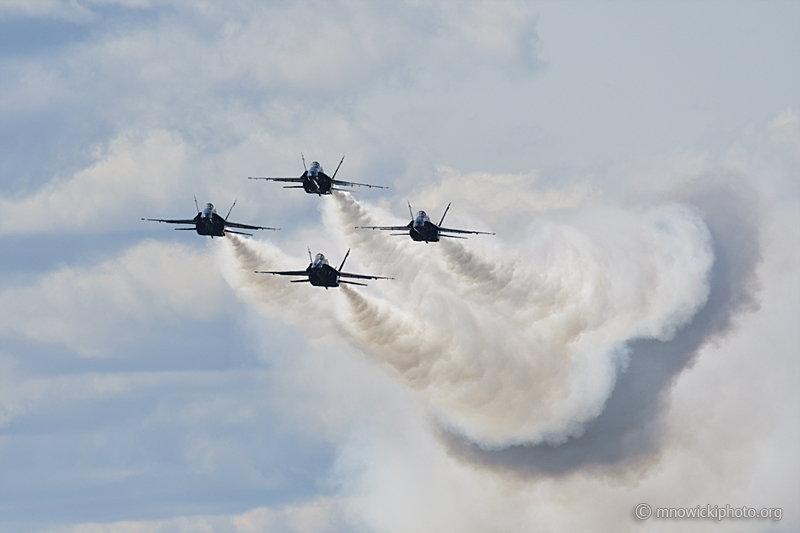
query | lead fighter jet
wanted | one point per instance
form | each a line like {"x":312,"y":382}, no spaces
{"x":422,"y":229}
{"x":320,"y":274}
{"x":315,"y":181}
{"x":208,"y":222}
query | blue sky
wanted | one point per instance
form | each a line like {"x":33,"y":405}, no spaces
{"x":631,"y":327}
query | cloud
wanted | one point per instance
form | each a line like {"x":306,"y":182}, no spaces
{"x":104,"y":445}
{"x":152,"y":87}
{"x":771,"y":155}
{"x":319,"y":516}
{"x":72,"y":11}
{"x":90,"y":309}
{"x":271,"y":49}
{"x":75,"y":11}
{"x":322,"y":515}
{"x":129,"y":174}
{"x":507,"y":202}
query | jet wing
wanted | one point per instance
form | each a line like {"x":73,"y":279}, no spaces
{"x":288,"y":180}
{"x":185,"y":221}
{"x":464,"y":231}
{"x":351,"y":184}
{"x":387,"y":228}
{"x":284,"y":272}
{"x":360,"y":276}
{"x":245,"y":226}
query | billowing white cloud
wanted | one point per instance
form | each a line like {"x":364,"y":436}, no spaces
{"x":89,"y":309}
{"x":152,"y":87}
{"x":253,"y":48}
{"x":130,"y":176}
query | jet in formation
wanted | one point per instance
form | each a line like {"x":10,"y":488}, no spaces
{"x":315,"y":181}
{"x":320,"y":274}
{"x":422,"y":229}
{"x":208,"y":222}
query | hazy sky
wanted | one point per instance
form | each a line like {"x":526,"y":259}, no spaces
{"x":629,"y":335}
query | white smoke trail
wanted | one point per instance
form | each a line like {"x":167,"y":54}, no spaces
{"x":293,"y":302}
{"x":524,"y":346}
{"x":507,"y":347}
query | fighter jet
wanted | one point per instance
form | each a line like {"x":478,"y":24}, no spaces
{"x":320,"y":274}
{"x":208,"y":222}
{"x":422,"y":229}
{"x":315,"y":181}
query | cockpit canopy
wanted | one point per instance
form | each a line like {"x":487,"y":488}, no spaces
{"x":421,"y":214}
{"x":421,"y":218}
{"x":209,"y":210}
{"x":315,"y":168}
{"x":320,"y":260}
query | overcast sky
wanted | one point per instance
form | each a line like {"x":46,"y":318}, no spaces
{"x":629,"y":335}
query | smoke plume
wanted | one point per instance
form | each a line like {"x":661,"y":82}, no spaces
{"x":543,"y":358}
{"x":627,"y":432}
